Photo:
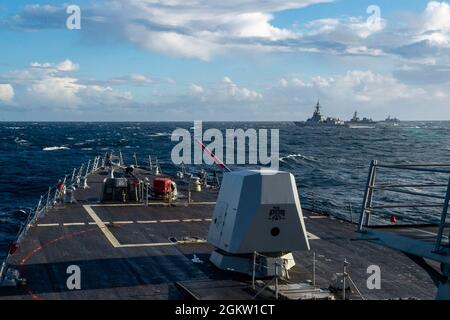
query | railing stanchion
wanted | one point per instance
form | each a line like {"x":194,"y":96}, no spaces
{"x":442,"y":224}
{"x":48,"y":199}
{"x":368,"y":196}
{"x":254,"y":270}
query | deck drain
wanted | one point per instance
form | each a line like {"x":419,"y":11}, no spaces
{"x":173,"y":239}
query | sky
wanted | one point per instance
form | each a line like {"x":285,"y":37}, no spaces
{"x":249,"y":60}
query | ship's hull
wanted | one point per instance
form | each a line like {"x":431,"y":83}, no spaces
{"x":318,"y":125}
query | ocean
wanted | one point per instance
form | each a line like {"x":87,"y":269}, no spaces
{"x":330,"y":164}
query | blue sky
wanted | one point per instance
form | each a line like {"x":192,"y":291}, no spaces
{"x":215,"y":60}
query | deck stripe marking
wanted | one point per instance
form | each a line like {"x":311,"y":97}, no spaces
{"x":318,"y":217}
{"x":150,"y":204}
{"x":312,"y":236}
{"x":120,"y":222}
{"x":108,"y":234}
{"x":161,"y":244}
{"x":427,"y":232}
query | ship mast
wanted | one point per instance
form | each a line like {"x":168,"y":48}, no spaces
{"x":318,"y":107}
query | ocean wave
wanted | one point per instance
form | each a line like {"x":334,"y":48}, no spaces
{"x":21,"y":141}
{"x":86,"y":149}
{"x":55,"y":148}
{"x":361,"y":127}
{"x":159,"y":134}
{"x":298,"y":156}
{"x":14,"y":128}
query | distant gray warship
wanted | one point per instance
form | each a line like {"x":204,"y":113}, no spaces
{"x":355,"y":121}
{"x":319,"y":120}
{"x":394,"y":121}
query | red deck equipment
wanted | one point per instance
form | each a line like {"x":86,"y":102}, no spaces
{"x":162,"y":186}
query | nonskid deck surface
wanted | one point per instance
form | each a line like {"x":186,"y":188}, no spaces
{"x":134,"y":251}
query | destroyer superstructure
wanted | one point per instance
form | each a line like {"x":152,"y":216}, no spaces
{"x":357,"y":121}
{"x":319,"y":120}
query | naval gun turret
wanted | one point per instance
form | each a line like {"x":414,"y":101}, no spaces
{"x":258,"y":216}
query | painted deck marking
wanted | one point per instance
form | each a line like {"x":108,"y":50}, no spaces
{"x":116,"y":244}
{"x":318,"y":217}
{"x":427,"y":232}
{"x":161,"y":244}
{"x":48,"y":225}
{"x":108,"y":234}
{"x":149,"y":204}
{"x":68,"y":224}
{"x":312,"y":236}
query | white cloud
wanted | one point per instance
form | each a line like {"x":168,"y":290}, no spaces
{"x":226,"y":92}
{"x":56,"y":91}
{"x":233,"y":91}
{"x":64,"y":66}
{"x":6,"y":93}
{"x":435,"y":24}
{"x":199,"y":29}
{"x":196,"y":89}
{"x":48,"y":85}
{"x":354,"y":89}
{"x":131,"y":79}
{"x":67,"y":66}
{"x":345,"y":28}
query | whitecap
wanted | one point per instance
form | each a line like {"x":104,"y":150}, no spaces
{"x":55,"y":148}
{"x":297,"y":156}
{"x":21,"y":141}
{"x":159,"y":134}
{"x":361,"y":127}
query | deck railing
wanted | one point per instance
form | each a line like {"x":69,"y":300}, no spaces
{"x":420,"y":192}
{"x":48,"y":201}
